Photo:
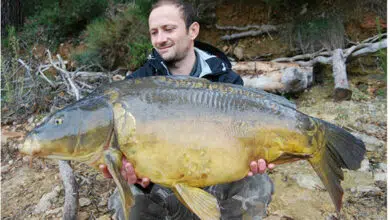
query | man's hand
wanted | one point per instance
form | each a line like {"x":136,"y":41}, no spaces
{"x":127,"y":172}
{"x":259,"y":166}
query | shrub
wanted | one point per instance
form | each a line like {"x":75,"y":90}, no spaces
{"x":120,"y":41}
{"x":55,"y":22}
{"x":313,"y":34}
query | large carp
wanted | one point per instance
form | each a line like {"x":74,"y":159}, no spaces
{"x":185,"y":133}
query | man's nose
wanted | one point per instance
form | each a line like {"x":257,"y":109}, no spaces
{"x":161,"y":38}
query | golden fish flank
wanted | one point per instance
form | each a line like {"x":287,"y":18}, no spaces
{"x":193,"y":142}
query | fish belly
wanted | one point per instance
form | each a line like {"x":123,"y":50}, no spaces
{"x":182,"y":153}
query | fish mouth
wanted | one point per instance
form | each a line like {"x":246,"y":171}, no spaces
{"x":30,"y":147}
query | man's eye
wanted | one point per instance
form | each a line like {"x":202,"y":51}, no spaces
{"x":58,"y":121}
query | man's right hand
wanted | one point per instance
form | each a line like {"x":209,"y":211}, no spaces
{"x":127,"y":172}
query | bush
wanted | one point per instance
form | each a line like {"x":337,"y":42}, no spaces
{"x":120,"y":41}
{"x":56,"y":22}
{"x":313,"y":34}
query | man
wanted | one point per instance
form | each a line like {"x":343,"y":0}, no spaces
{"x":173,"y":33}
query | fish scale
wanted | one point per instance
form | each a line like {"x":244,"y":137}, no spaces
{"x":185,"y":133}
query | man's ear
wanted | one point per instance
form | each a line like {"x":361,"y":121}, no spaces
{"x":194,"y":30}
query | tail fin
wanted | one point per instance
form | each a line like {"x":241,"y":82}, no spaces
{"x":342,"y":150}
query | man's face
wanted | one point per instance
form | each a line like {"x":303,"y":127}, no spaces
{"x":168,"y":33}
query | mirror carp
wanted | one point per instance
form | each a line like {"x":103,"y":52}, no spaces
{"x":187,"y":133}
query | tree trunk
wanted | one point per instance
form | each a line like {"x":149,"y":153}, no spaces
{"x":11,"y":15}
{"x":341,"y":90}
{"x":275,"y":77}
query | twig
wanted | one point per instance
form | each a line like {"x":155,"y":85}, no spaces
{"x":84,"y":84}
{"x":220,"y":27}
{"x":83,"y":179}
{"x":325,"y":56}
{"x":25,"y":65}
{"x":61,"y":61}
{"x":44,"y":76}
{"x":263,"y":29}
{"x":67,"y":76}
{"x":375,"y":38}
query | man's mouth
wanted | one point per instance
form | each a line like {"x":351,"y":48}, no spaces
{"x":164,"y":49}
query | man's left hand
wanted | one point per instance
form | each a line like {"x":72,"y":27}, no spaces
{"x":259,"y":167}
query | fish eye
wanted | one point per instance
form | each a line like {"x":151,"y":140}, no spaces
{"x":58,"y":121}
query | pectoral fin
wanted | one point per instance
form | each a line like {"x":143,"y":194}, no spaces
{"x":124,"y":124}
{"x":113,"y":159}
{"x":202,"y":203}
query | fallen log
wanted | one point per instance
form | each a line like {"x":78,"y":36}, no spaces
{"x":338,"y":58}
{"x":275,"y":77}
{"x":341,"y":88}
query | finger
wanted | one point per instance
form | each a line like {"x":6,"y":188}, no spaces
{"x":104,"y":170}
{"x":130,"y":174}
{"x":253,"y":166}
{"x":250,"y":173}
{"x":262,"y":166}
{"x":145,"y":182}
{"x":271,"y":166}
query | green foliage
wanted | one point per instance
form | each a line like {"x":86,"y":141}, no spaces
{"x":59,"y":20}
{"x":382,"y":54}
{"x":313,"y":34}
{"x":117,"y":42}
{"x":9,"y":67}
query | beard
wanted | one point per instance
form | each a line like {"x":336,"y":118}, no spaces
{"x":174,"y":54}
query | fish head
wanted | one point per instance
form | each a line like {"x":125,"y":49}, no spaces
{"x":76,"y":132}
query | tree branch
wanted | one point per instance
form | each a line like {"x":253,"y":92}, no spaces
{"x":261,"y":30}
{"x":71,"y":191}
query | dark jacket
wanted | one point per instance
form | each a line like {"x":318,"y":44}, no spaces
{"x":214,"y":64}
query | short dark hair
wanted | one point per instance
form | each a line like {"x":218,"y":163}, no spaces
{"x":187,"y":11}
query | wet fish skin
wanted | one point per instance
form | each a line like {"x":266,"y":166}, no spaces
{"x":184,"y":133}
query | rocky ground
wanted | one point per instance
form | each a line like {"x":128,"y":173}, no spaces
{"x":36,"y":191}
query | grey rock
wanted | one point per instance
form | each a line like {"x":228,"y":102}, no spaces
{"x":46,"y":201}
{"x":4,"y":140}
{"x":104,"y":217}
{"x":380,"y":177}
{"x":382,"y":167}
{"x":54,"y":211}
{"x":103,"y":203}
{"x":366,"y":189}
{"x":31,"y":119}
{"x":5,"y":169}
{"x":372,"y":143}
{"x":308,"y":181}
{"x":84,"y":202}
{"x":365,"y":166}
{"x":83,"y":216}
{"x":372,"y":129}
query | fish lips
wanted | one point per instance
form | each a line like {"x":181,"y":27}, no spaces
{"x":31,"y":146}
